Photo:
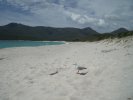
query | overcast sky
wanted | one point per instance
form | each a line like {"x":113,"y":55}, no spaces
{"x":101,"y":15}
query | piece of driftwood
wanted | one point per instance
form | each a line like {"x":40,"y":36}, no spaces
{"x":54,"y":73}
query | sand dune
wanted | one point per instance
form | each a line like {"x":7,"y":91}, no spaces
{"x":25,"y":72}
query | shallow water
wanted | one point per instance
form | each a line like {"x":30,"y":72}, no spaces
{"x":18,"y":43}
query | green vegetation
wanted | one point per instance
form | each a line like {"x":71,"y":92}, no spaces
{"x":118,"y":35}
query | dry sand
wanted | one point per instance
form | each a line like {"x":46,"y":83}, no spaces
{"x":24,"y":71}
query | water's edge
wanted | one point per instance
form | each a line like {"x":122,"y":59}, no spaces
{"x":22,"y":43}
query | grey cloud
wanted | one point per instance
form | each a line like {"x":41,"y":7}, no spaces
{"x":84,"y":19}
{"x":103,"y":15}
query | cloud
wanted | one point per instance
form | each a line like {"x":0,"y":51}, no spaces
{"x":84,"y":19}
{"x":113,"y":17}
{"x":102,"y":15}
{"x":101,"y":23}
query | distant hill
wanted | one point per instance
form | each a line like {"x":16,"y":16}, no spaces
{"x":120,"y":30}
{"x":15,"y":31}
{"x":119,"y":33}
{"x":22,"y":32}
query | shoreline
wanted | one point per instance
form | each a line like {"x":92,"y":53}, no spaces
{"x":7,"y":43}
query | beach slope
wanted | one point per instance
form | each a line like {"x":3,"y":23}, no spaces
{"x":50,"y":72}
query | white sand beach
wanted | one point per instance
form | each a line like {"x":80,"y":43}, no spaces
{"x":25,"y":71}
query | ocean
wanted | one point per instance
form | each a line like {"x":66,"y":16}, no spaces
{"x":21,"y":43}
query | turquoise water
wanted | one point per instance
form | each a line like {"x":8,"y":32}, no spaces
{"x":16,"y":43}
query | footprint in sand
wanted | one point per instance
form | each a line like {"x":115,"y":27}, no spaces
{"x":2,"y":58}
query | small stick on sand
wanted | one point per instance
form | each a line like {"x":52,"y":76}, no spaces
{"x":54,"y":73}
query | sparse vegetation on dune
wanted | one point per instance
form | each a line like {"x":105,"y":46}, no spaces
{"x":112,"y":36}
